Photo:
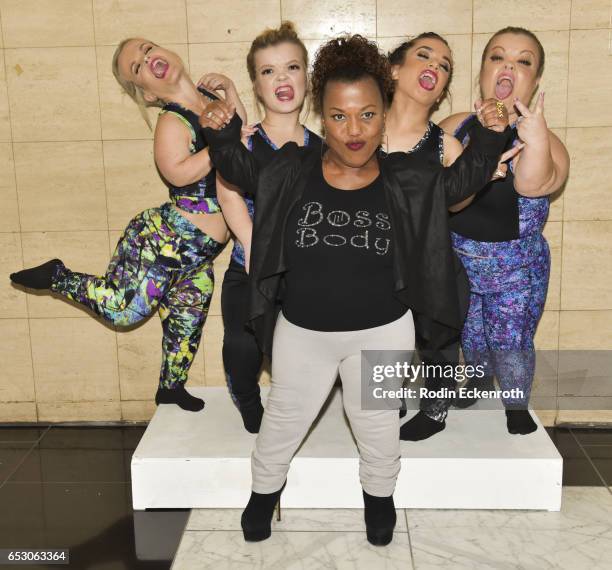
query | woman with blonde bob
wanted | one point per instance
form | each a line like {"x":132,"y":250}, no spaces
{"x":164,"y":259}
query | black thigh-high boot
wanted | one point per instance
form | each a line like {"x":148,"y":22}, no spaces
{"x":380,"y":519}
{"x":256,"y":520}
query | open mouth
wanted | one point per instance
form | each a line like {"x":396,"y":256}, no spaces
{"x":284,"y":93}
{"x":504,"y":86}
{"x":358,"y":145}
{"x":428,"y":80}
{"x":159,"y":67}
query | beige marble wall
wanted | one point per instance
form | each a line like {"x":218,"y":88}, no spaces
{"x":76,"y":163}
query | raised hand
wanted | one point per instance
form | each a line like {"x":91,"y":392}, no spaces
{"x":492,"y":114}
{"x":216,"y":82}
{"x":217,"y":114}
{"x":531,"y":125}
{"x":502,"y":167}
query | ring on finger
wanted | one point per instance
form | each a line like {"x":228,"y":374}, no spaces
{"x":209,"y":114}
{"x":499,"y":174}
{"x":500,"y":109}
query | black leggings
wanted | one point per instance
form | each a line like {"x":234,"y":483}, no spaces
{"x":242,"y":358}
{"x":440,"y":348}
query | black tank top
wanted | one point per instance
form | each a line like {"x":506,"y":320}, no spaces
{"x":200,"y":196}
{"x":493,"y":215}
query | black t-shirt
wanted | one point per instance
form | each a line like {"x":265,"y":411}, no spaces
{"x":340,"y":275}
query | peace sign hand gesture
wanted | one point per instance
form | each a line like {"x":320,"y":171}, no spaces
{"x":502,"y":167}
{"x":531,"y":125}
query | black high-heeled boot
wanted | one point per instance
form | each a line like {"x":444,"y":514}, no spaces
{"x":380,"y":519}
{"x":256,"y":520}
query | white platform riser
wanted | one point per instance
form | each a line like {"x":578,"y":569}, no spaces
{"x":202,"y":460}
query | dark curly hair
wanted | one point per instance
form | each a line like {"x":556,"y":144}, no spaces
{"x":349,"y":59}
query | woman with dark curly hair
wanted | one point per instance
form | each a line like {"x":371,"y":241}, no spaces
{"x":345,"y":244}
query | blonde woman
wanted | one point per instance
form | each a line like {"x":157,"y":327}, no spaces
{"x":164,"y":259}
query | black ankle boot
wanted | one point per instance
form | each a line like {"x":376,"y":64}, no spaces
{"x":251,"y":411}
{"x":256,"y":518}
{"x":380,"y":519}
{"x":180,"y":397}
{"x":39,"y":277}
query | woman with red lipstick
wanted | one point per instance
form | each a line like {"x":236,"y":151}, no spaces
{"x":277,"y":64}
{"x":345,"y":243}
{"x":163,"y":260}
{"x":498,"y":236}
{"x":422,"y":70}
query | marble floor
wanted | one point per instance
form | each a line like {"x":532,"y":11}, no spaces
{"x":69,"y":487}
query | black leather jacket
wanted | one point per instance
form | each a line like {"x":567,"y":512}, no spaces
{"x":418,"y":196}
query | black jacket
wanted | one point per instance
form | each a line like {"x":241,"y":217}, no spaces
{"x":418,"y":196}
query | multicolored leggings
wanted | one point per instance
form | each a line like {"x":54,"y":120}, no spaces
{"x":508,"y":282}
{"x":163,"y":262}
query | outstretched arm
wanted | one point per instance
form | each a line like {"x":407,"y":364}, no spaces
{"x":475,"y":166}
{"x":221,"y":126}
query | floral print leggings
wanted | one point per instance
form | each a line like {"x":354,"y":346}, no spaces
{"x":162,"y":262}
{"x":508,"y":282}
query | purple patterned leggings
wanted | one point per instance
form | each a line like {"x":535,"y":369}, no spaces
{"x":508,"y":282}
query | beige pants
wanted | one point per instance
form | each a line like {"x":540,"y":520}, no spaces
{"x":305,"y":364}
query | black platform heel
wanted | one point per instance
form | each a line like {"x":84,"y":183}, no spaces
{"x":256,"y":520}
{"x":380,"y":519}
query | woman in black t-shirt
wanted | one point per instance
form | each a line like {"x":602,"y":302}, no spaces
{"x":347,"y":244}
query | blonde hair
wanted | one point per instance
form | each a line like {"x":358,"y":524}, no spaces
{"x":134,"y":91}
{"x":273,"y":37}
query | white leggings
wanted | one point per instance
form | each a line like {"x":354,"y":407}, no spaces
{"x":305,"y":364}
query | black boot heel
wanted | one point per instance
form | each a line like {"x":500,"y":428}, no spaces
{"x":256,"y":520}
{"x":380,"y":519}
